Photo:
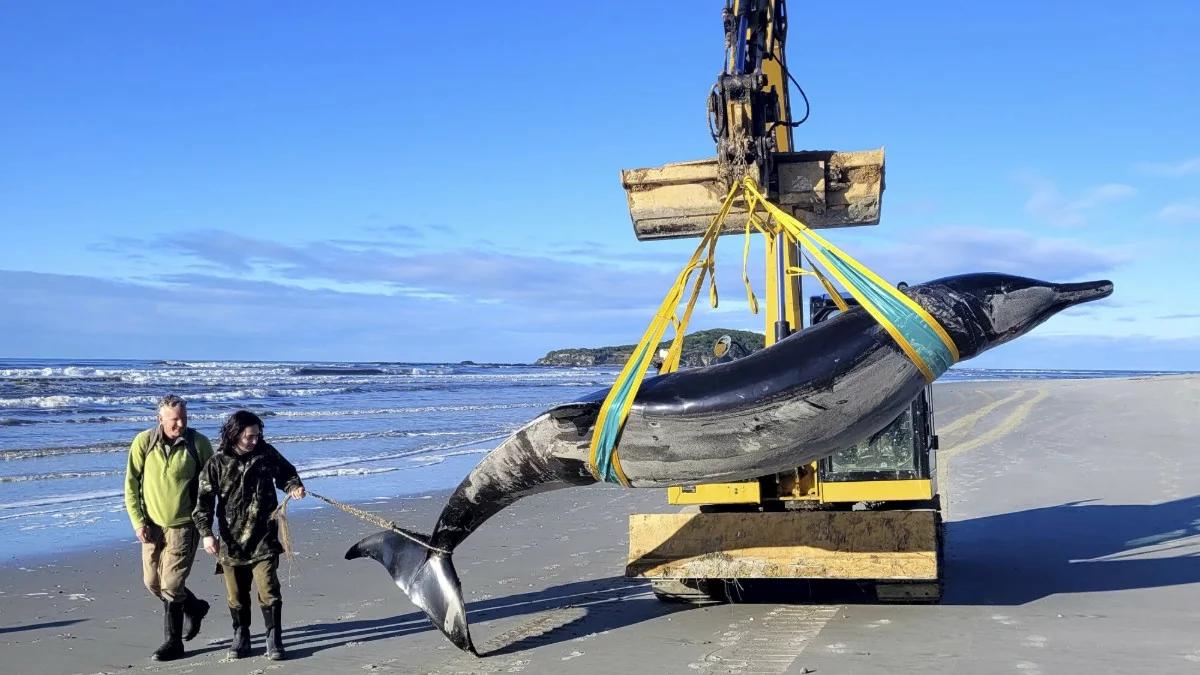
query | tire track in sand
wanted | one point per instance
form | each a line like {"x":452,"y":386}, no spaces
{"x":770,"y":645}
{"x":967,"y":423}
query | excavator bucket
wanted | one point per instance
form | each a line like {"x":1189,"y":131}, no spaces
{"x":821,"y":188}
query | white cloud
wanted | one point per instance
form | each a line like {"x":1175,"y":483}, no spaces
{"x":480,"y":274}
{"x":1048,"y":204}
{"x":1172,"y":169}
{"x":237,"y":318}
{"x":959,"y":250}
{"x":1180,"y":213}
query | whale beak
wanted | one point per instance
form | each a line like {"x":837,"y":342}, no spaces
{"x":1084,"y":291}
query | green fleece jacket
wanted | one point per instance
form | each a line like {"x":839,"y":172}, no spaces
{"x":158,"y":478}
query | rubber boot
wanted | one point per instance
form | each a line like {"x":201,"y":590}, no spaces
{"x":172,"y":648}
{"x":239,"y":646}
{"x":194,"y":610}
{"x":273,"y":616}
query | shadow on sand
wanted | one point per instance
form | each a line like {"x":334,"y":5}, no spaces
{"x":1006,"y":559}
{"x":1078,"y":547}
{"x":36,"y":626}
{"x":562,"y":613}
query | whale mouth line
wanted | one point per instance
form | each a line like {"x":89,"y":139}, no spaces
{"x":1084,"y":291}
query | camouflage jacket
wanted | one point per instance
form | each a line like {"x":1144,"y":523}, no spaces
{"x":241,"y":489}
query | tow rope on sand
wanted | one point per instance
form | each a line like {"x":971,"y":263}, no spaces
{"x":914,"y":330}
{"x":279,"y":515}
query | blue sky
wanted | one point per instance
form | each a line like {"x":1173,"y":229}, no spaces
{"x":324,"y":181}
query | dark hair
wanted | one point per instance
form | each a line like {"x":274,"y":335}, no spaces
{"x":235,"y":425}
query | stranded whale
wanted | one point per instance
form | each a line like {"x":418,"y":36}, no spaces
{"x":824,"y":388}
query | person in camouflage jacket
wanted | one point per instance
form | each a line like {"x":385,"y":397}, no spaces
{"x":238,"y":483}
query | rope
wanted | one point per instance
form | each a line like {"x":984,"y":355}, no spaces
{"x":280,"y":514}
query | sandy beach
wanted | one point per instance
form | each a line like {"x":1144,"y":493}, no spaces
{"x":1072,"y":541}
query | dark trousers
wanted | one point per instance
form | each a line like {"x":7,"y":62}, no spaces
{"x":264,"y":573}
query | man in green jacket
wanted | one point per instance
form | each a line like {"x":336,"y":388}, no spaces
{"x":161,"y":481}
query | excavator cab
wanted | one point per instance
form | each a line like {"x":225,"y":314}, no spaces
{"x":902,"y":451}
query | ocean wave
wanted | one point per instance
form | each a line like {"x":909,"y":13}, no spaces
{"x":64,"y":372}
{"x":16,"y":454}
{"x":123,"y":419}
{"x":98,"y":379}
{"x":359,"y":435}
{"x":54,"y":401}
{"x":82,"y":373}
{"x":62,"y":499}
{"x":351,"y":412}
{"x":327,"y":473}
{"x":60,"y":475}
{"x":228,"y":375}
{"x":221,"y":364}
{"x":401,"y":411}
{"x":34,"y":453}
{"x":428,"y":455}
{"x":60,"y":387}
{"x":9,"y":422}
{"x":68,"y":510}
{"x":424,"y":451}
{"x":337,"y":370}
{"x":460,"y":453}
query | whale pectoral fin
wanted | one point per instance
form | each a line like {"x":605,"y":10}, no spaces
{"x":427,"y":577}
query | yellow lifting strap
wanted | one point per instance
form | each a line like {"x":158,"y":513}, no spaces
{"x":603,"y":460}
{"x":917,"y":333}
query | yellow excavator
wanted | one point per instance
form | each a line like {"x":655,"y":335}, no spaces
{"x":869,"y":513}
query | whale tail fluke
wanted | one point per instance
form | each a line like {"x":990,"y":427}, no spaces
{"x":426,"y":576}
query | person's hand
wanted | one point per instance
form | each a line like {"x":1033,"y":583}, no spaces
{"x":210,"y":545}
{"x":298,"y":492}
{"x":143,"y":533}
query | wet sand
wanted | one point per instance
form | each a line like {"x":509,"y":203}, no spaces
{"x":1073,"y":537}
